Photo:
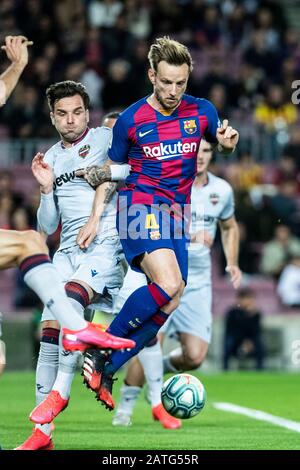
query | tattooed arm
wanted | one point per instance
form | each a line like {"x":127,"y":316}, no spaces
{"x":96,"y":175}
{"x":103,"y":196}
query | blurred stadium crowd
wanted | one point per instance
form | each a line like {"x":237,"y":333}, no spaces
{"x":246,"y":57}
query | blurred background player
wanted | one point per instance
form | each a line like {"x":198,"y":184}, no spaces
{"x":243,"y":332}
{"x":89,"y":258}
{"x":150,"y":135}
{"x":212,"y":203}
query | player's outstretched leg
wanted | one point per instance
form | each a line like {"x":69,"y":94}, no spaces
{"x":29,"y":251}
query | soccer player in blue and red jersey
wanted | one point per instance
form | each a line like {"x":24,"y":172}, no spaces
{"x":159,"y":138}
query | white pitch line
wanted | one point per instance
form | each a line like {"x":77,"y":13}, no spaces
{"x":259,"y":415}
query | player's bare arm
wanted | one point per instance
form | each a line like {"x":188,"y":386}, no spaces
{"x":203,"y":237}
{"x":16,"y":48}
{"x":230,"y":241}
{"x":87,"y":233}
{"x":227,"y":137}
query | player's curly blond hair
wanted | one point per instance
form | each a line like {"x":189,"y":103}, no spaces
{"x":171,"y":51}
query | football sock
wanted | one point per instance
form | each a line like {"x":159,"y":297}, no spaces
{"x":46,"y":368}
{"x":141,"y":336}
{"x":68,"y":360}
{"x":41,"y":276}
{"x":129,"y":396}
{"x":152,"y":361}
{"x":140,"y":306}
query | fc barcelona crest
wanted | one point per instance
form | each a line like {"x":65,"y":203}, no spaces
{"x":83,"y":151}
{"x":155,"y":235}
{"x":190,"y":126}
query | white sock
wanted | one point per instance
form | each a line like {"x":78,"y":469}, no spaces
{"x":45,"y":376}
{"x":67,"y":362}
{"x":43,"y":280}
{"x":129,"y":396}
{"x":151,"y":359}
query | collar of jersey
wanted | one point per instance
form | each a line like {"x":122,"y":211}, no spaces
{"x":161,"y":111}
{"x":206,"y":182}
{"x":77,"y":140}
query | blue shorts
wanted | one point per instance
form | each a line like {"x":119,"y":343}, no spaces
{"x":143,"y":229}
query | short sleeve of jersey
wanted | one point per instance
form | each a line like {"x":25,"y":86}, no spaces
{"x":118,"y":151}
{"x":213,"y":122}
{"x":228,"y":210}
{"x":49,"y":156}
{"x":100,"y":138}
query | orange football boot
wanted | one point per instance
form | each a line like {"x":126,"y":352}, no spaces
{"x":37,"y":441}
{"x":93,"y":336}
{"x":160,"y":414}
{"x":49,"y":408}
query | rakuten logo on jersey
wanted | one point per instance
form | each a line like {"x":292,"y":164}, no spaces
{"x":164,"y":151}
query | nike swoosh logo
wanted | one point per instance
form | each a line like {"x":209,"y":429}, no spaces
{"x":142,"y":134}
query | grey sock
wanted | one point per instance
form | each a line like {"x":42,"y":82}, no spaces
{"x":46,"y":371}
{"x":43,"y":280}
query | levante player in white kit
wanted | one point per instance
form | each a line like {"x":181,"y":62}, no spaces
{"x":89,"y":259}
{"x":28,"y":251}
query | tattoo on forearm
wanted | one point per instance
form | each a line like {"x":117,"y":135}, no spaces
{"x":109,"y":191}
{"x":97,"y":175}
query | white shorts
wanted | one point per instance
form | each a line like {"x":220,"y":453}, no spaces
{"x":101,"y":266}
{"x":193,"y":315}
{"x":133,"y":280}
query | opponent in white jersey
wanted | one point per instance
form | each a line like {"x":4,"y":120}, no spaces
{"x":89,"y":258}
{"x":212,"y":203}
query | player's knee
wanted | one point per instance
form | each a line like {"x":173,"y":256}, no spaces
{"x":50,"y":324}
{"x":172,"y":286}
{"x":33,"y":242}
{"x":193,"y":360}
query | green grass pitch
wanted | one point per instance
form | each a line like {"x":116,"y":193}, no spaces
{"x":85,"y":424}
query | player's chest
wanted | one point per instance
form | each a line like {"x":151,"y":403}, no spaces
{"x":168,"y":130}
{"x":65,"y":165}
{"x":207,"y":205}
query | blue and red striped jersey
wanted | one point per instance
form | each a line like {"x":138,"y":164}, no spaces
{"x":162,"y":149}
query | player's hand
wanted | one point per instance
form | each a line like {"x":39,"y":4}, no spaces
{"x":87,"y":233}
{"x":16,"y":48}
{"x":95,"y":175}
{"x":235,"y":275}
{"x":203,"y":237}
{"x":227,"y":136}
{"x":43,"y":173}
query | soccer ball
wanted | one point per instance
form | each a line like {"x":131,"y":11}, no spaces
{"x":183,"y":396}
